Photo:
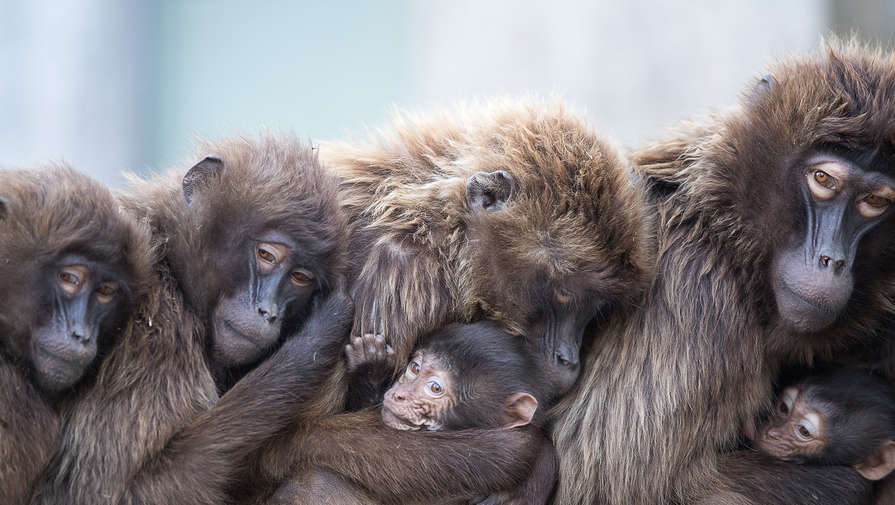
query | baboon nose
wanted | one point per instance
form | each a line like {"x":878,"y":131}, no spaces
{"x":80,"y":334}
{"x":267,"y":315}
{"x":566,"y":359}
{"x":826,"y":262}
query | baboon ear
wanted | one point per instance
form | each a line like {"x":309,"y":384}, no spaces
{"x":879,"y":464}
{"x":489,"y":191}
{"x":4,"y":208}
{"x":763,"y":87}
{"x":197,"y":176}
{"x":519,"y":410}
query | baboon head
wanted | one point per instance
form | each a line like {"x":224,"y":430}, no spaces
{"x":254,"y":233}
{"x":556,"y":231}
{"x":72,"y":265}
{"x":809,"y":166}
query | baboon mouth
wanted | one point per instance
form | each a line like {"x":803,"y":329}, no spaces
{"x":804,"y":313}
{"x":808,"y":302}
{"x":234,"y":333}
{"x":68,"y":361}
{"x":395,"y":421}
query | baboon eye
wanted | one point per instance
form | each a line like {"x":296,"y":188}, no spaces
{"x":803,"y":432}
{"x":824,"y":179}
{"x":822,"y":185}
{"x":266,"y":255}
{"x":72,"y":278}
{"x":69,"y":278}
{"x":302,"y":277}
{"x":413,"y":369}
{"x":107,"y":292}
{"x":435,"y":389}
{"x":563,"y":296}
{"x":873,"y":205}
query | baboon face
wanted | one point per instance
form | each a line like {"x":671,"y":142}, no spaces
{"x":82,"y":298}
{"x":551,"y":251}
{"x":842,"y":200}
{"x":461,"y":377}
{"x":275,"y":285}
{"x":73,"y":265}
{"x":810,"y":155}
{"x":262,"y":245}
{"x":839,"y":417}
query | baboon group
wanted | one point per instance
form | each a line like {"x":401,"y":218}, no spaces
{"x":488,"y":305}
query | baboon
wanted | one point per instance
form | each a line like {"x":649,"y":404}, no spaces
{"x":842,"y":416}
{"x":512,"y":211}
{"x":774,"y":229}
{"x":251,"y":243}
{"x":459,"y":377}
{"x":830,"y":435}
{"x":72,"y":266}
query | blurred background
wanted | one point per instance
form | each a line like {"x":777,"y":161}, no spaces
{"x":112,"y":85}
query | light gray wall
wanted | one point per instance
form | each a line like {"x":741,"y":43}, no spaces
{"x":128,"y":84}
{"x":72,"y":83}
{"x":635,"y":66}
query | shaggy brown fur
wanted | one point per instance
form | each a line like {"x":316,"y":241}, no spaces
{"x":45,"y":214}
{"x":757,"y":479}
{"x":422,"y":257}
{"x":401,"y":467}
{"x":145,"y":434}
{"x":665,"y":389}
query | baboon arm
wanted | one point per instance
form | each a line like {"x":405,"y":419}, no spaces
{"x":538,"y":487}
{"x":200,"y":461}
{"x":151,"y":386}
{"x":401,"y":466}
{"x":28,"y":429}
{"x":756,"y":480}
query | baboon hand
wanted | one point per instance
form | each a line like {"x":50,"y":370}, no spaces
{"x":370,"y":350}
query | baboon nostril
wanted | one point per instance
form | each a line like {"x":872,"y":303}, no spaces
{"x":825,"y":261}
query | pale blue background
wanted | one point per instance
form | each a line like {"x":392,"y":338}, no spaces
{"x":112,"y":85}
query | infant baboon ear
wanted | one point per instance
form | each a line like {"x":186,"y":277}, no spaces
{"x":879,"y":464}
{"x":199,"y":175}
{"x":4,"y":208}
{"x":519,"y":410}
{"x":489,"y":191}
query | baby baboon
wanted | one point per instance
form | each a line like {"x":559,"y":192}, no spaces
{"x":830,"y":435}
{"x":459,"y":377}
